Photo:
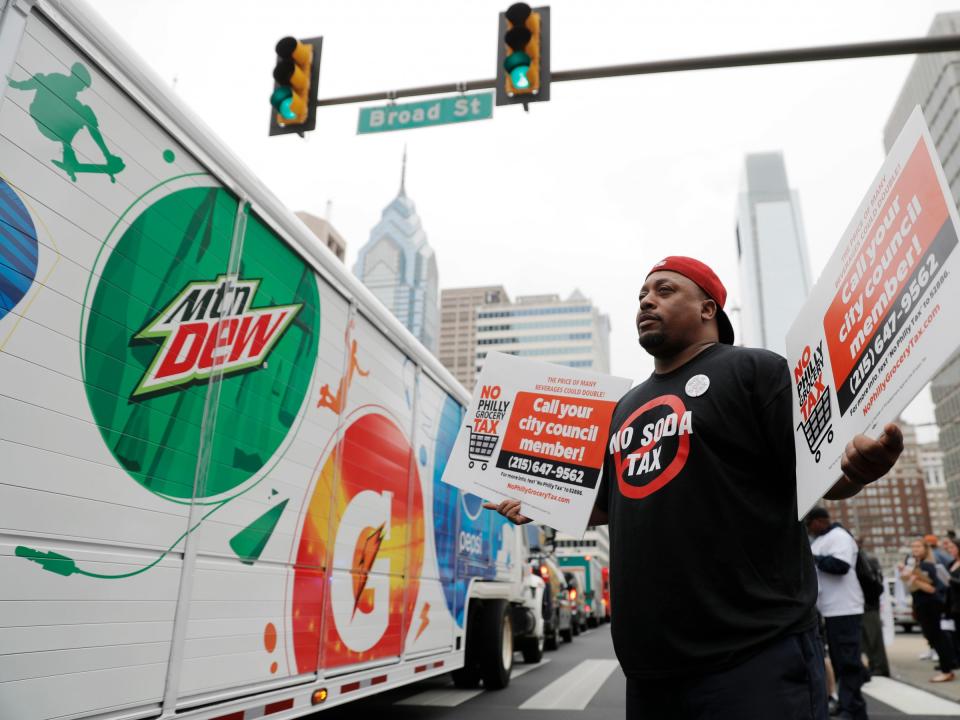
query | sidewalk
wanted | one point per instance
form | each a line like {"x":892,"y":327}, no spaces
{"x":905,"y":666}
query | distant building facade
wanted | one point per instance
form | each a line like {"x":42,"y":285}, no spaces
{"x":775,"y":273}
{"x":595,"y":542}
{"x":571,"y":332}
{"x":458,"y":328}
{"x":938,"y":500}
{"x":934,"y":85}
{"x":326,"y":233}
{"x":398,"y":265}
{"x":892,"y":511}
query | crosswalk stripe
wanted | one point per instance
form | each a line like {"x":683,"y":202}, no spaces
{"x":574,"y":689}
{"x":908,"y":699}
{"x":517,"y":672}
{"x":451,"y":696}
{"x":441,"y":697}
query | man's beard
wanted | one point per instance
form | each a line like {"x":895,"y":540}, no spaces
{"x":651,"y":341}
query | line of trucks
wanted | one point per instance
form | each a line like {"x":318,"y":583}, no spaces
{"x":220,"y":495}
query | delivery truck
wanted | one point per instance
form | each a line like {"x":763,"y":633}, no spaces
{"x":587,"y":568}
{"x":220,"y":455}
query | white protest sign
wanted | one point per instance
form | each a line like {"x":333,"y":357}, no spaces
{"x":881,"y":319}
{"x":536,"y":432}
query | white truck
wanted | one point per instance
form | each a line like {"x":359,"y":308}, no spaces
{"x":220,"y":456}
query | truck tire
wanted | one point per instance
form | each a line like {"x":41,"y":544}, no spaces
{"x":552,"y":639}
{"x":466,"y":678}
{"x":592,"y":622}
{"x":532,"y":649}
{"x":495,"y":638}
{"x":567,"y":634}
{"x":575,"y":625}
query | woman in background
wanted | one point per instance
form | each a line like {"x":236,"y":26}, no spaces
{"x":929,"y":601}
{"x":953,"y":592}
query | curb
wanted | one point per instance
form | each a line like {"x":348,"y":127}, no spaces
{"x":932,"y":688}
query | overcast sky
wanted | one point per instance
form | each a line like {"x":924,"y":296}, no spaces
{"x":586,"y":191}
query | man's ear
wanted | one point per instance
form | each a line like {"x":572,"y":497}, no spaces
{"x":708,"y":309}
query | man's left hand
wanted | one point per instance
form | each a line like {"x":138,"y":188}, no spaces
{"x":865,"y":459}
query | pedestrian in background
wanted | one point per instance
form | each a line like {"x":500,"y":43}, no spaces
{"x":729,"y":634}
{"x":872,"y":636}
{"x":929,"y":597}
{"x":953,"y":594}
{"x":941,"y":558}
{"x":840,"y":601}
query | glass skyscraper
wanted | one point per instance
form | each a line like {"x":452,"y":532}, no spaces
{"x":400,"y":267}
{"x":772,"y":253}
{"x":934,"y":85}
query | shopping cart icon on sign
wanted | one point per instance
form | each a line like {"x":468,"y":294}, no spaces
{"x":481,"y":447}
{"x":817,"y":427}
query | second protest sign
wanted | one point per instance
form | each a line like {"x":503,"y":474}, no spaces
{"x":536,"y":432}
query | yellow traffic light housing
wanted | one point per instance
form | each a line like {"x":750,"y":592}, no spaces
{"x":523,"y":57}
{"x":295,"y":77}
{"x":523,"y":51}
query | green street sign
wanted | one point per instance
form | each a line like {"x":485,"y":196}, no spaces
{"x":462,"y":108}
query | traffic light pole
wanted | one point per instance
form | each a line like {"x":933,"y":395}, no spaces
{"x":909,"y":46}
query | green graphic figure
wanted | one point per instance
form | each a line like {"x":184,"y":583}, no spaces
{"x":59,"y":115}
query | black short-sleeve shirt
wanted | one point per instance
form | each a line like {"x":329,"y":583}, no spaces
{"x":708,"y":562}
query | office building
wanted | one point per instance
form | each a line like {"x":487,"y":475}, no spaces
{"x":400,"y":267}
{"x":775,"y":273}
{"x":889,"y":513}
{"x":938,"y":500}
{"x":934,"y":84}
{"x":569,"y":332}
{"x":458,"y":328}
{"x":595,"y":542}
{"x":326,"y":233}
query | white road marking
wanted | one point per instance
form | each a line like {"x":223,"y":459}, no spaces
{"x":518,"y":671}
{"x":575,"y":689}
{"x":908,"y":699}
{"x":451,"y":696}
{"x":442,"y":697}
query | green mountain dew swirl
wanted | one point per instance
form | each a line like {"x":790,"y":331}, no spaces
{"x":166,"y":316}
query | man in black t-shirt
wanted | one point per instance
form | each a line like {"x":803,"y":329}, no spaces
{"x":711,"y":578}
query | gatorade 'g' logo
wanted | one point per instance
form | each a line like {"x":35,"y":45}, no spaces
{"x":208,"y":326}
{"x":362,"y":541}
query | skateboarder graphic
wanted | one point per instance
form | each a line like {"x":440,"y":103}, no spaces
{"x":59,"y":115}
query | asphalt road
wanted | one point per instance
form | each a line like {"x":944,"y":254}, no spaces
{"x":579,"y":681}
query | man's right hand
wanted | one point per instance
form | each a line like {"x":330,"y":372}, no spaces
{"x":510,"y":509}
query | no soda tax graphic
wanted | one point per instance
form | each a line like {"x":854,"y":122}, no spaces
{"x":874,"y":329}
{"x":536,"y":432}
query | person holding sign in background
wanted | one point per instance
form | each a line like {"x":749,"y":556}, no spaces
{"x":708,"y":438}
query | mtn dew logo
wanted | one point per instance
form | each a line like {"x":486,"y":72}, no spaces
{"x":210,"y":326}
{"x":163,"y":316}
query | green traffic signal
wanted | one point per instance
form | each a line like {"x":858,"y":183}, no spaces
{"x":523,"y":55}
{"x":518,"y":65}
{"x":281,"y":100}
{"x":296,"y":75}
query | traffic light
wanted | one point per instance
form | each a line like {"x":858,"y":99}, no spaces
{"x":523,"y":57}
{"x":295,"y":77}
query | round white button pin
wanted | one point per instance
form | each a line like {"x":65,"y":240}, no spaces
{"x":697,"y":385}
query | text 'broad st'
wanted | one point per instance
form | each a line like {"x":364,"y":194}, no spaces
{"x":463,"y":108}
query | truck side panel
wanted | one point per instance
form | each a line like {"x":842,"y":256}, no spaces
{"x":91,"y":561}
{"x":210,"y":456}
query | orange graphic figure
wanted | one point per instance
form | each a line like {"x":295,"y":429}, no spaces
{"x":366,"y":553}
{"x":338,"y":402}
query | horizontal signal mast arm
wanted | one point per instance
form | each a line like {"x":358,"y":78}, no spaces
{"x":883,"y":48}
